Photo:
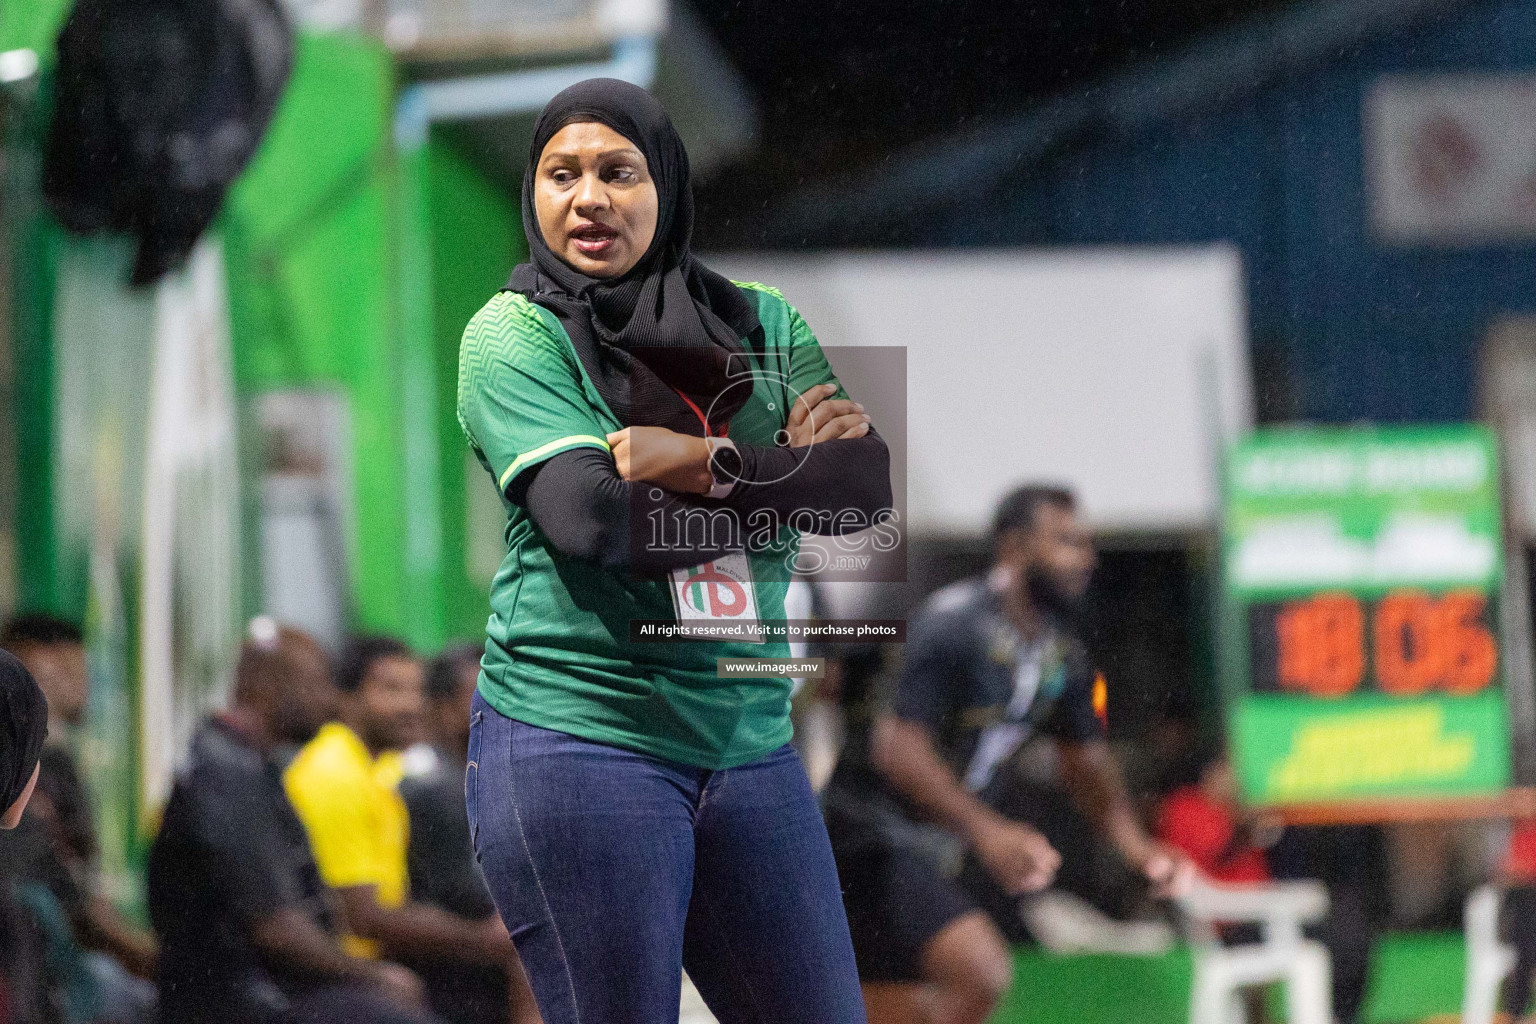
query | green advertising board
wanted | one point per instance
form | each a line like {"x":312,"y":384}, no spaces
{"x":1359,"y":639}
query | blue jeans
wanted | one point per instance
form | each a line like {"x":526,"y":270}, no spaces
{"x":613,"y":870}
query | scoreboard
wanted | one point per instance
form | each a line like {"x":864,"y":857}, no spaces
{"x":1407,"y":642}
{"x":1359,"y":640}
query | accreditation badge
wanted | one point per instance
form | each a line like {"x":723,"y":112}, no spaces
{"x":719,"y":591}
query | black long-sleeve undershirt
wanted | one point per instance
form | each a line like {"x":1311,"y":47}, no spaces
{"x":816,"y":483}
{"x":585,"y":509}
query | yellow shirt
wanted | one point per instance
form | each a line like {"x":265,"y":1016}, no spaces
{"x":357,"y":822}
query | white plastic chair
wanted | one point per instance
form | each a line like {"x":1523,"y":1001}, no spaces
{"x":1489,"y":961}
{"x":1065,"y":923}
{"x":1282,"y":955}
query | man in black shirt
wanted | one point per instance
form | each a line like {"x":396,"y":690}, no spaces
{"x":990,"y":662}
{"x":441,"y":856}
{"x":247,"y":929}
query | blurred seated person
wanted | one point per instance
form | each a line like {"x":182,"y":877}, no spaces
{"x":441,"y":857}
{"x":1351,"y":860}
{"x":54,"y":651}
{"x":345,"y":786}
{"x":815,"y":704}
{"x":23,"y":731}
{"x":25,"y":992}
{"x":248,"y":931}
{"x":1201,"y":816}
{"x":58,"y":845}
{"x":990,"y":661}
{"x":1519,"y":918}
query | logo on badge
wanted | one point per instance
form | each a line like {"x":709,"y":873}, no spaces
{"x":715,"y":590}
{"x":709,"y":591}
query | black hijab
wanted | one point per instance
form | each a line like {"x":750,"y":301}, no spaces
{"x":23,"y":728}
{"x":668,"y":326}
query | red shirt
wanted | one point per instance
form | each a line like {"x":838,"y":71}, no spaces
{"x":1520,"y":861}
{"x":1203,"y":829}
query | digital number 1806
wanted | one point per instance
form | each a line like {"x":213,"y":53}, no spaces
{"x":1410,"y":642}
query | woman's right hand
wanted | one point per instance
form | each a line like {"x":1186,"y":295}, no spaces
{"x":819,"y":417}
{"x":656,"y":455}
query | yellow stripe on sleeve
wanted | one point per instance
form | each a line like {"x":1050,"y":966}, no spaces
{"x":545,"y":449}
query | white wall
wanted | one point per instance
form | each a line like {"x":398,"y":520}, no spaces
{"x":1114,"y":370}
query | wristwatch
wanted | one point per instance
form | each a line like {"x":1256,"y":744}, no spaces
{"x":725,"y":465}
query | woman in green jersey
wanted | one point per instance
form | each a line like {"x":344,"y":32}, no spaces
{"x":660,"y":437}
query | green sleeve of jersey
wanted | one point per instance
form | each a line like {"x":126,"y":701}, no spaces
{"x":520,"y":394}
{"x":808,"y":366}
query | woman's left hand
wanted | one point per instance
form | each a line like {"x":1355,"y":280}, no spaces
{"x":656,"y":455}
{"x":817,"y":417}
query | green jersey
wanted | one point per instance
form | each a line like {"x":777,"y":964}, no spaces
{"x":559,"y":653}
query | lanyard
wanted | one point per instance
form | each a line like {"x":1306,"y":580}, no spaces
{"x":700,"y":414}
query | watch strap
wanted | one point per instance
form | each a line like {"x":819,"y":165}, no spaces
{"x":719,"y":490}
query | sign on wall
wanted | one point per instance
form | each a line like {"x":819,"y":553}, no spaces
{"x":1360,"y":571}
{"x":1451,"y":159}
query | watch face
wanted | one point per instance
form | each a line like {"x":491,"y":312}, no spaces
{"x":725,"y":465}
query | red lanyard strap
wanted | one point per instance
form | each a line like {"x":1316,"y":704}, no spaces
{"x":702,"y":419}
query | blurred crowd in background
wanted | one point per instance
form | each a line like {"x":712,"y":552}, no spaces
{"x":316,"y":837}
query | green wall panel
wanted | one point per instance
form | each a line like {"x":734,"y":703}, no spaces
{"x":476,"y":233}
{"x":32,"y":24}
{"x":308,"y":234}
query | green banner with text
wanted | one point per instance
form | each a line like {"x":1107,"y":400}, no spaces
{"x":1359,"y":639}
